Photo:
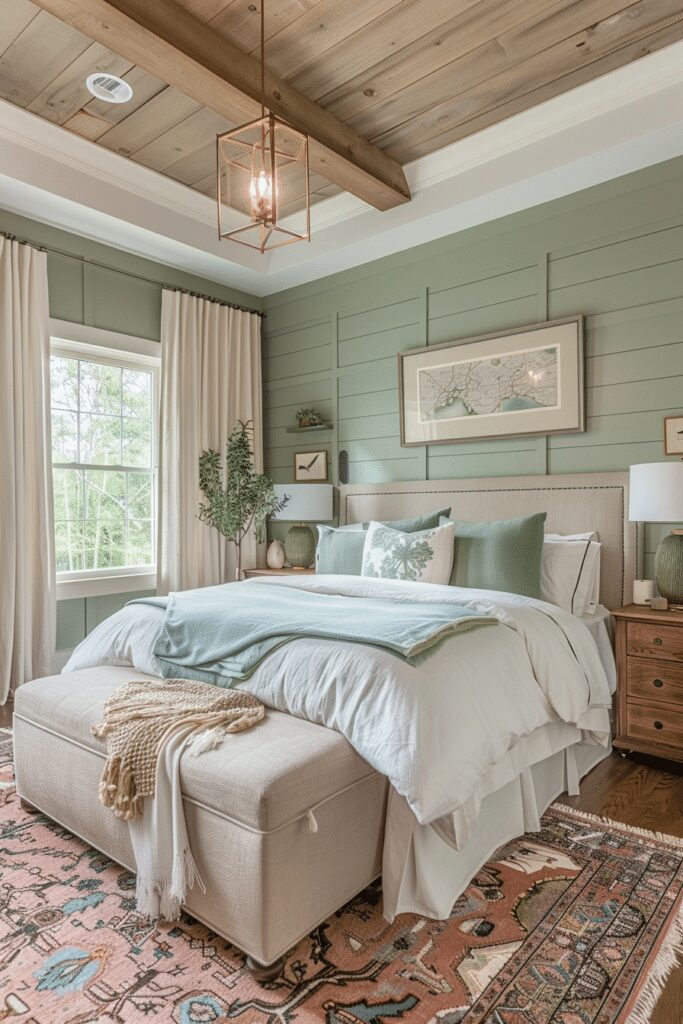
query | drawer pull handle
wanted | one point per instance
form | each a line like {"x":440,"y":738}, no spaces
{"x":658,"y":641}
{"x":658,"y":725}
{"x":657,"y":683}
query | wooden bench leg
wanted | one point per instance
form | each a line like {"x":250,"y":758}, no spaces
{"x":261,"y":973}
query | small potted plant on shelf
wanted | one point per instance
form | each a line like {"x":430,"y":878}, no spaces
{"x":246,"y":497}
{"x":309,"y":418}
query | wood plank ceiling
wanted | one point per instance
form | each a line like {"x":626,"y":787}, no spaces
{"x":409,"y":75}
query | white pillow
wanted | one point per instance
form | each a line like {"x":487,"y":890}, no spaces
{"x":425,"y":556}
{"x":570,"y":572}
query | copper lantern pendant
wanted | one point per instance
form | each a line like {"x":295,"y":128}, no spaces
{"x":262,"y":186}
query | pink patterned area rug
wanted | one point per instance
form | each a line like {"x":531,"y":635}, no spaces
{"x":578,"y":924}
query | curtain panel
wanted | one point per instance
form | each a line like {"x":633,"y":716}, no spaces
{"x":27,"y":567}
{"x":210,"y":379}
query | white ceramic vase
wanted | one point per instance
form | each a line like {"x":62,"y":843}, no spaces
{"x":275,"y":555}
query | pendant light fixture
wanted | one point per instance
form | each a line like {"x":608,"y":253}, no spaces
{"x":262,"y":169}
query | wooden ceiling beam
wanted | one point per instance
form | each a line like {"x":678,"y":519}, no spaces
{"x":170,"y":43}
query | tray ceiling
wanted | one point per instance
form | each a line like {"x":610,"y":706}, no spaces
{"x":412,"y":76}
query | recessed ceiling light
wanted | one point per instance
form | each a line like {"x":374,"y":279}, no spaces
{"x":109,"y":88}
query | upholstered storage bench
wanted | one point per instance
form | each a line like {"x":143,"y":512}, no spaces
{"x":272,"y":870}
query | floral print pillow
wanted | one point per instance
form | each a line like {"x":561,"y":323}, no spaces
{"x":425,"y":557}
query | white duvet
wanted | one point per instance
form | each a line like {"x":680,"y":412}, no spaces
{"x":434,"y":729}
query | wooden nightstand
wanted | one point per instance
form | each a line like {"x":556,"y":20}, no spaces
{"x":649,"y":648}
{"x":248,"y":573}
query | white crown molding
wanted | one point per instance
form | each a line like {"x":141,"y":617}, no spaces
{"x":626,"y":120}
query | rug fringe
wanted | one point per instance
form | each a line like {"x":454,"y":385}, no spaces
{"x":666,"y":960}
{"x":671,"y":951}
{"x":662,"y":837}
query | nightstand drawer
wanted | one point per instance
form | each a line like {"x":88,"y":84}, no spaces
{"x":655,"y":640}
{"x":655,"y":724}
{"x":654,"y":680}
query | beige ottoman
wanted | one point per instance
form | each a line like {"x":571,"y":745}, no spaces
{"x":286,"y":820}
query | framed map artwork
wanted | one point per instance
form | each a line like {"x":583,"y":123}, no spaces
{"x":526,"y":381}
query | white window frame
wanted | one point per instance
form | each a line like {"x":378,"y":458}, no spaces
{"x":78,"y":341}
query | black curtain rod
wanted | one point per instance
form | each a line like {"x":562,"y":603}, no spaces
{"x":128,"y":273}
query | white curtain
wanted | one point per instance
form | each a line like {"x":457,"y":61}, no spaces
{"x":27,"y":570}
{"x":210,"y":379}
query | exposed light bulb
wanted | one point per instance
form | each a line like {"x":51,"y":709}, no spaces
{"x":261,"y":195}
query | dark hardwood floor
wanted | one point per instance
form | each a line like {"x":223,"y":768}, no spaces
{"x":637,"y":790}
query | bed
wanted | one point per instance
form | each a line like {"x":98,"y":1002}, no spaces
{"x":299,"y":817}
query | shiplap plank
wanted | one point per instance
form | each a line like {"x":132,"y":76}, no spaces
{"x":624,"y":428}
{"x":387,"y":470}
{"x":240,"y":23}
{"x":383,"y":402}
{"x":379,"y":345}
{"x":87,"y":125}
{"x":182,"y":139}
{"x":479,"y":59}
{"x":527,"y":81}
{"x":283,"y":457}
{"x":37,"y":56}
{"x":604,"y":458}
{"x":636,"y":396}
{"x":486,"y":319}
{"x":647,"y":250}
{"x":304,"y":391}
{"x":374,"y":376}
{"x":485,"y":464}
{"x":636,"y":333}
{"x":514,"y":284}
{"x":66,"y":94}
{"x":298,"y":363}
{"x":16,"y":15}
{"x":486,"y":446}
{"x":372,"y":425}
{"x":633,"y":288}
{"x":154,"y":118}
{"x":653,"y":363}
{"x":297,"y":340}
{"x":377,"y":449}
{"x":379,"y":318}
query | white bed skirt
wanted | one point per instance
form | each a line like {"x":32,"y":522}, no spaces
{"x":423,"y":874}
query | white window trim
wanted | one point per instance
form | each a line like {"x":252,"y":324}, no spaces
{"x":79,"y":340}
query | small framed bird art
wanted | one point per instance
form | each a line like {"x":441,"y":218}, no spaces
{"x":310,"y":467}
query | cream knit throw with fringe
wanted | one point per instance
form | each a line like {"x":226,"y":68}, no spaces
{"x":140,"y":716}
{"x":148,"y":727}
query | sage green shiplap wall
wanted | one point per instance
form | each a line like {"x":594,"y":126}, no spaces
{"x":96,"y":285}
{"x":613,"y":253}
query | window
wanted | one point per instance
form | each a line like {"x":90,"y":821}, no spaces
{"x":104,"y":462}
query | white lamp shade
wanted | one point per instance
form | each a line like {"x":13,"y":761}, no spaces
{"x":308,"y":503}
{"x":656,"y":492}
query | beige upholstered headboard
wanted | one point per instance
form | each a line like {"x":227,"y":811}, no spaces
{"x":574,"y":503}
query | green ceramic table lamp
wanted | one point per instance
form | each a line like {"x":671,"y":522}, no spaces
{"x":656,"y":496}
{"x":308,"y":503}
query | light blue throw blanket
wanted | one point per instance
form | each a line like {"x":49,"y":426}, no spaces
{"x":221,"y":634}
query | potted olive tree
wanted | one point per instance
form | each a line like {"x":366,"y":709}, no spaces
{"x":241,"y":499}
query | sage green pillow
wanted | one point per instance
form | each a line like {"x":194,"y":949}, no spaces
{"x":340,"y":551}
{"x":504,"y":555}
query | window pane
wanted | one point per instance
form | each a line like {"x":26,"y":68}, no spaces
{"x":137,"y":443}
{"x":100,"y":439}
{"x":140,"y":495}
{"x":64,"y":383}
{"x":104,"y":544}
{"x":68,"y":493}
{"x":69,"y":545}
{"x":105,"y":495}
{"x":137,"y":394}
{"x":100,"y":388}
{"x":140,"y":542}
{"x":64,"y":437}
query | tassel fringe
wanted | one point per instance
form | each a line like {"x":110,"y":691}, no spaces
{"x":163,"y":898}
{"x":670,"y":953}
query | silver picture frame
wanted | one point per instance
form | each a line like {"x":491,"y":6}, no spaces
{"x":549,"y":355}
